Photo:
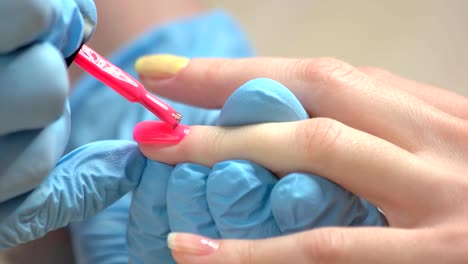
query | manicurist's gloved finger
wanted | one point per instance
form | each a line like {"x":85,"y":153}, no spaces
{"x":102,"y":239}
{"x":301,"y":201}
{"x":34,"y":88}
{"x":37,"y":36}
{"x":261,"y":101}
{"x":187,"y":201}
{"x":34,"y":116}
{"x":20,"y":170}
{"x":238,"y":195}
{"x":61,"y":23}
{"x":83,"y":183}
{"x":149,"y":223}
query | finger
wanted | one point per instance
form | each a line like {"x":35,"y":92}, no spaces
{"x":84,"y":182}
{"x":238,"y":195}
{"x":19,"y":153}
{"x":366,"y":165}
{"x":326,"y":88}
{"x":58,"y":22}
{"x":238,"y":192}
{"x":445,"y":100}
{"x":30,"y":17}
{"x":302,"y":201}
{"x":261,"y":101}
{"x":327,"y":245}
{"x":34,"y":88}
{"x":149,"y":223}
{"x":187,"y":205}
{"x":102,"y":239}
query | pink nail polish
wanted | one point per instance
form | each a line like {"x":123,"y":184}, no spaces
{"x":191,"y":244}
{"x":157,"y":132}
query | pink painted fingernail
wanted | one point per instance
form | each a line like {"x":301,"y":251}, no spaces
{"x":157,"y":132}
{"x":191,"y":244}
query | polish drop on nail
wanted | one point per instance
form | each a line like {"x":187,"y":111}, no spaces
{"x":157,"y":132}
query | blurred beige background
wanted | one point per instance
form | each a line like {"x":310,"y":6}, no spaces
{"x":424,"y":40}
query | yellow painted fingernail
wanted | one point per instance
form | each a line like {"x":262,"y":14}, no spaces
{"x":161,"y":66}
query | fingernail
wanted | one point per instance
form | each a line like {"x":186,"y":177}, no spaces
{"x":157,"y":132}
{"x":162,"y":66}
{"x":191,"y":244}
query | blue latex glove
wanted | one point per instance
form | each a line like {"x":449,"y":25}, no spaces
{"x":36,"y":36}
{"x":84,"y":182}
{"x":238,"y":199}
{"x":231,"y":200}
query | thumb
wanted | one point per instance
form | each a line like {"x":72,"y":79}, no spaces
{"x":83,"y":183}
{"x":327,"y":245}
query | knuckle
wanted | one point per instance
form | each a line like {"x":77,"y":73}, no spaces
{"x":318,"y":138}
{"x":324,"y":70}
{"x":217,"y":139}
{"x":246,"y":253}
{"x":323,"y":246}
{"x":205,"y":147}
{"x":215,"y":69}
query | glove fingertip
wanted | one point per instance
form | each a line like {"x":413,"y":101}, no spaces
{"x":259,"y":101}
{"x":241,"y":205}
{"x":187,"y":206}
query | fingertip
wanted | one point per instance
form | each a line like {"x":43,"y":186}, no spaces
{"x":197,"y":145}
{"x":158,"y":141}
{"x":295,"y":200}
{"x":157,"y":133}
{"x":261,"y":100}
{"x":186,"y":201}
{"x":160,"y":66}
{"x":23,"y":22}
{"x":238,"y":195}
{"x":161,"y":154}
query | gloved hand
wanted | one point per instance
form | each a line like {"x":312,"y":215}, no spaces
{"x":238,"y":199}
{"x":233,"y":199}
{"x":36,"y":36}
{"x":84,"y":182}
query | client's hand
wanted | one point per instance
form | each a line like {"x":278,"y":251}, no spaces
{"x":400,"y":144}
{"x":237,"y":198}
